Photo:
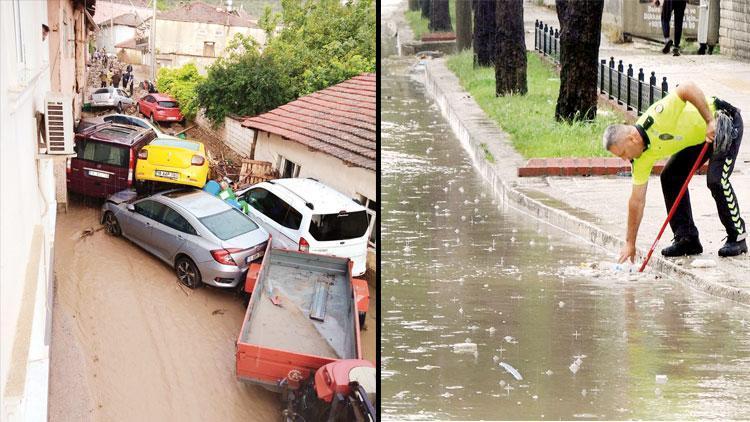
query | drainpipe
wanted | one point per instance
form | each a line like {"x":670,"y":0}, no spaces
{"x":255,"y":142}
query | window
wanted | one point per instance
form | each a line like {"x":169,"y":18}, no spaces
{"x":173,"y":219}
{"x":341,"y":226}
{"x":287,"y":168}
{"x":372,"y":211}
{"x":102,"y":153}
{"x":208,"y":49}
{"x":167,"y":104}
{"x":121,"y":93}
{"x":102,"y":91}
{"x":274,"y":208}
{"x":228,"y":224}
{"x":149,"y":209}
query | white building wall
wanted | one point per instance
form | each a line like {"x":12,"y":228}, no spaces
{"x":27,"y":213}
{"x":109,"y":39}
{"x":351,"y":181}
{"x":238,"y":138}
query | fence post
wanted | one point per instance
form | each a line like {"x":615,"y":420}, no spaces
{"x":640,"y":90}
{"x":611,"y":68}
{"x":546,"y":29}
{"x":601,"y":75}
{"x":619,"y":82}
{"x":651,"y":86}
{"x":630,"y":75}
{"x":557,"y":45}
{"x":536,"y":35}
{"x":664,"y":87}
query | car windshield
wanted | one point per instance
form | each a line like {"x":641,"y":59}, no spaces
{"x":339,"y":226}
{"x":193,"y":146}
{"x":103,"y":153}
{"x":125,"y":120}
{"x":228,"y":224}
{"x":167,"y":104}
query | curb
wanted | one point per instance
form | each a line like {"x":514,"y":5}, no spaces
{"x":471,"y":126}
{"x":599,"y":166}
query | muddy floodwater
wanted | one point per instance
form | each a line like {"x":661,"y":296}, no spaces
{"x":488,"y":313}
{"x":131,"y":344}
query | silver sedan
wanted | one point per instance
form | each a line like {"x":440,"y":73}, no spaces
{"x":111,"y":97}
{"x":205,"y":239}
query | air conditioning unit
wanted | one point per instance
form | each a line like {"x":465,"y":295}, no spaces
{"x":58,"y":119}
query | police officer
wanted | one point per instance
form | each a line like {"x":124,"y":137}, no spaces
{"x":677,"y":126}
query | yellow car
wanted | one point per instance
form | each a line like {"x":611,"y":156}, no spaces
{"x":173,"y":160}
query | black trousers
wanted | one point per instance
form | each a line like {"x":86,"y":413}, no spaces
{"x":720,"y":167}
{"x":678,"y":6}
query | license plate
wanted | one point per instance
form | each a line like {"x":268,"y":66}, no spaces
{"x":167,"y":174}
{"x":100,"y":174}
{"x":254,"y":256}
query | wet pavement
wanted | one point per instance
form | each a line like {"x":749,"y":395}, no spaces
{"x":488,"y":313}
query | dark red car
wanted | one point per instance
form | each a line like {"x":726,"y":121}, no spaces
{"x":160,"y":108}
{"x":105,"y":158}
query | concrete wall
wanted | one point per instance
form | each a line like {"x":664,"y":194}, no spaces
{"x":27,"y":214}
{"x":108,"y":38}
{"x":68,"y":51}
{"x":734,"y":28}
{"x":239,"y":138}
{"x":351,"y":181}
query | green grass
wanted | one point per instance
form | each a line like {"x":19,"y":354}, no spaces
{"x":487,"y":154}
{"x":418,"y":24}
{"x":530,"y":119}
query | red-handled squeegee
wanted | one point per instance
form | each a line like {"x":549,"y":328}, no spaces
{"x":676,"y":203}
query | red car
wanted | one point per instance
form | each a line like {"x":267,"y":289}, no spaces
{"x":160,"y":108}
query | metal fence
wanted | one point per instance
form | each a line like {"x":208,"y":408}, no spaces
{"x":623,"y":85}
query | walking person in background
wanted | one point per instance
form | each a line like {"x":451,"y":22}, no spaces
{"x":678,"y":7}
{"x":125,"y":79}
{"x":103,"y":78}
{"x":116,"y":78}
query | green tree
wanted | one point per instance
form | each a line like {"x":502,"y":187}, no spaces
{"x":181,"y":83}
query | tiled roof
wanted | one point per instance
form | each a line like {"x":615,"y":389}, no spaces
{"x":126,"y":19}
{"x":206,"y":13}
{"x":126,"y":44}
{"x":339,"y":121}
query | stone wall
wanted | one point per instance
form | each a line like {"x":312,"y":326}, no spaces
{"x":231,"y":132}
{"x":734,"y":28}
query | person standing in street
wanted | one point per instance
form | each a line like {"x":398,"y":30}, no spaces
{"x":116,"y":79}
{"x":103,"y":78}
{"x":678,"y":7}
{"x":677,"y":127}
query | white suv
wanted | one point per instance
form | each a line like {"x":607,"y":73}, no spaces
{"x":306,"y":215}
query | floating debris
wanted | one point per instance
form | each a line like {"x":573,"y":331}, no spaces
{"x":465,"y":347}
{"x":661,"y":379}
{"x":428,"y":367}
{"x":511,"y":370}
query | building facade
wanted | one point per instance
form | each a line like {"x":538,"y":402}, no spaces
{"x":43,"y":51}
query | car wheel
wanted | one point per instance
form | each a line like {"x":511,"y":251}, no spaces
{"x":362,"y":316}
{"x":188,"y":273}
{"x":111,"y":224}
{"x":119,"y":107}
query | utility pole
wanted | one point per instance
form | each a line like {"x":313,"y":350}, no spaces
{"x":153,"y":44}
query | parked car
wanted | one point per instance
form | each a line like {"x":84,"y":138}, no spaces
{"x":160,"y":108}
{"x":180,"y":161}
{"x":306,"y":215}
{"x":123,"y":119}
{"x":203,"y":238}
{"x":105,"y":158}
{"x":111,"y":97}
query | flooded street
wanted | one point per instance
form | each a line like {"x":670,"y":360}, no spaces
{"x":488,"y":313}
{"x":130,"y":343}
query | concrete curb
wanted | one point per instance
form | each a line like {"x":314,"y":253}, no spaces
{"x":478,"y":135}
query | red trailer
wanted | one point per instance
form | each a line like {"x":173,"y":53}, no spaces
{"x":302,"y":315}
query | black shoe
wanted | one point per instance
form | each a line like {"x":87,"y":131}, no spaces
{"x":667,"y":46}
{"x":683,"y":246}
{"x":733,"y":248}
{"x":676,"y":51}
{"x":702,"y":50}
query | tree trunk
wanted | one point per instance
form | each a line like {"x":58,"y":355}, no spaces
{"x":484,"y":32}
{"x":510,"y":49}
{"x":413,"y":4}
{"x":580,"y":31}
{"x":463,"y":24}
{"x":440,"y":17}
{"x":425,"y":5}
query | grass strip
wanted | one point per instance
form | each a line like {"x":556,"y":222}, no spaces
{"x":530,"y":119}
{"x":419,"y":24}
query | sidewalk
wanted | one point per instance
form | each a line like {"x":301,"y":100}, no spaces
{"x":605,"y":198}
{"x":596,"y":207}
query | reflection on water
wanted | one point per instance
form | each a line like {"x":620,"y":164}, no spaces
{"x":489,"y":314}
